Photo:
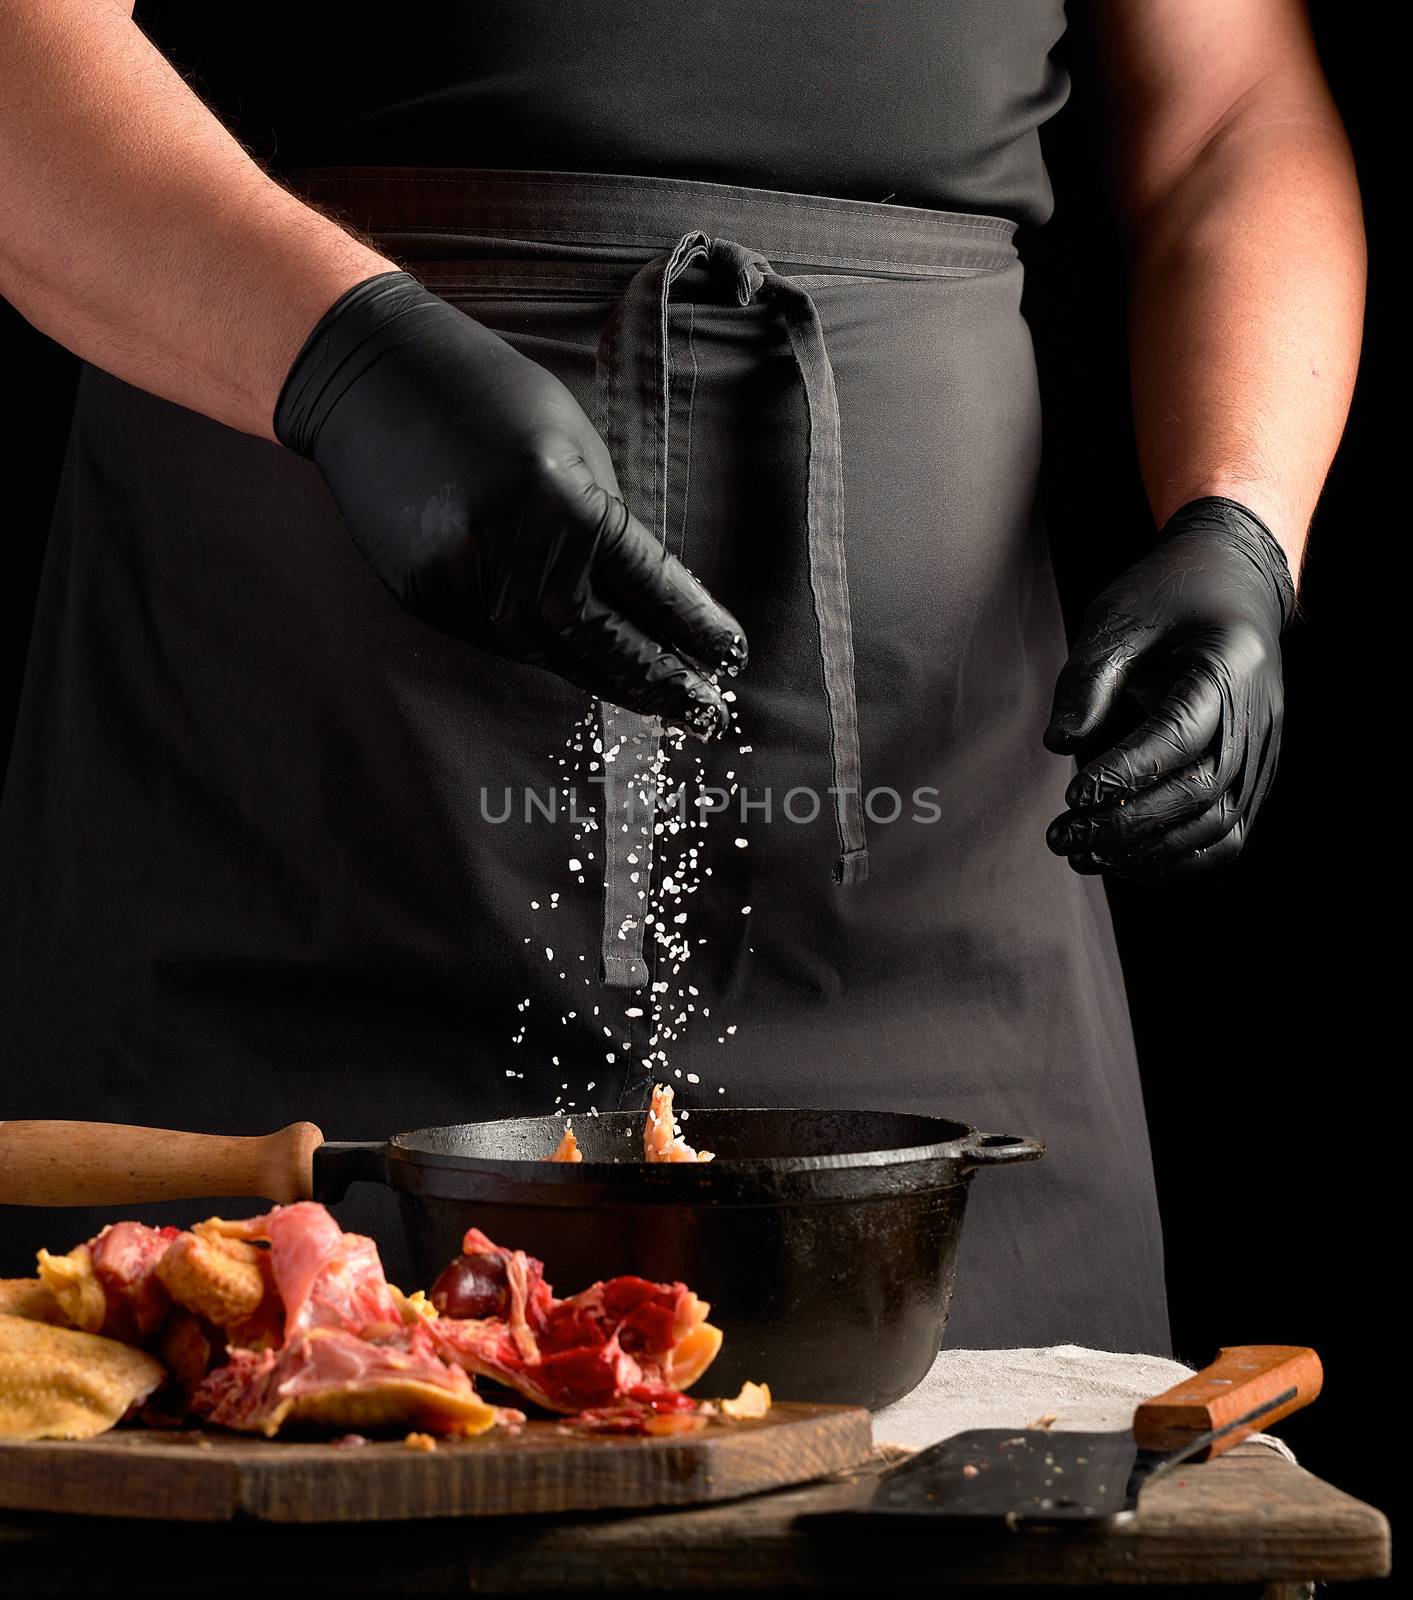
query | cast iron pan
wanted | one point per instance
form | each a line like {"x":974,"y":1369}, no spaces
{"x":825,"y":1240}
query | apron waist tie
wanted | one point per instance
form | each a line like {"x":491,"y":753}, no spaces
{"x":829,"y":573}
{"x":633,"y":391}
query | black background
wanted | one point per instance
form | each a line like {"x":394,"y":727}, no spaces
{"x":1259,"y":994}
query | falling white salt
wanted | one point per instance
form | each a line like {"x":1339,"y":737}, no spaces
{"x":677,"y":768}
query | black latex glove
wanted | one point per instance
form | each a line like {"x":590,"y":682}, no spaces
{"x":1189,"y":635}
{"x":479,"y":492}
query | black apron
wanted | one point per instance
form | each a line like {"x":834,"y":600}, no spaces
{"x":269,"y":845}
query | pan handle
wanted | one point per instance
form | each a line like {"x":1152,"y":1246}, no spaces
{"x":114,"y":1164}
{"x":338,"y":1164}
{"x":999,"y":1149}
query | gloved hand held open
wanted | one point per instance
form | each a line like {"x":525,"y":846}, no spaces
{"x":1191,"y":633}
{"x":481,"y":495}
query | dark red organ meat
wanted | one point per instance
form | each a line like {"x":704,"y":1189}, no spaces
{"x":622,"y":1340}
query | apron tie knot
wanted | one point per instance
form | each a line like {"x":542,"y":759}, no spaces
{"x":749,"y":266}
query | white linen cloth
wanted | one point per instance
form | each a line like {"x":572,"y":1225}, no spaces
{"x":1082,"y":1389}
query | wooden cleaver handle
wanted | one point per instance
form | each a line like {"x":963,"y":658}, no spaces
{"x":1241,"y":1379}
{"x":112,"y":1164}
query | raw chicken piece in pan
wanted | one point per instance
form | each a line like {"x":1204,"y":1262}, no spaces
{"x":568,"y":1147}
{"x":662,"y":1140}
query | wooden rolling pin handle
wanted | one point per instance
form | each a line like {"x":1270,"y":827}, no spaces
{"x":113,"y":1164}
{"x":1242,"y":1378}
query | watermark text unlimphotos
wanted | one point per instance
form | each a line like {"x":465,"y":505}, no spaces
{"x":798,"y":805}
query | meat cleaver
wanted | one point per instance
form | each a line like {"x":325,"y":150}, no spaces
{"x":1033,"y":1475}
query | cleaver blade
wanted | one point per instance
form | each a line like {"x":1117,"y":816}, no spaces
{"x":1033,"y":1475}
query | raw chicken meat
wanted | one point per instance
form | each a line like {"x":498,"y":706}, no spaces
{"x":324,"y":1277}
{"x":110,"y":1285}
{"x":224,"y":1280}
{"x":60,"y":1383}
{"x":332,"y":1376}
{"x":28,"y":1298}
{"x":661,"y":1140}
{"x":348,"y":1353}
{"x":625,"y":1340}
{"x":286,"y":1318}
{"x":568,"y":1147}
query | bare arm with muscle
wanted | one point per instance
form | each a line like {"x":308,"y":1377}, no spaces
{"x":1248,"y":252}
{"x":138,"y":233}
{"x":1246,"y":299}
{"x":135,"y":230}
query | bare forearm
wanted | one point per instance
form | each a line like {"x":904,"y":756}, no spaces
{"x":136,"y":231}
{"x":1246,"y":309}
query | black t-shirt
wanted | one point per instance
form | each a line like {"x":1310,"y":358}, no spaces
{"x":922,"y":102}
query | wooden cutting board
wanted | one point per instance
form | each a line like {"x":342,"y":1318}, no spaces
{"x":212,"y":1477}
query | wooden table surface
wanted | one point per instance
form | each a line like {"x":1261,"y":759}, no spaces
{"x":1247,"y":1522}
